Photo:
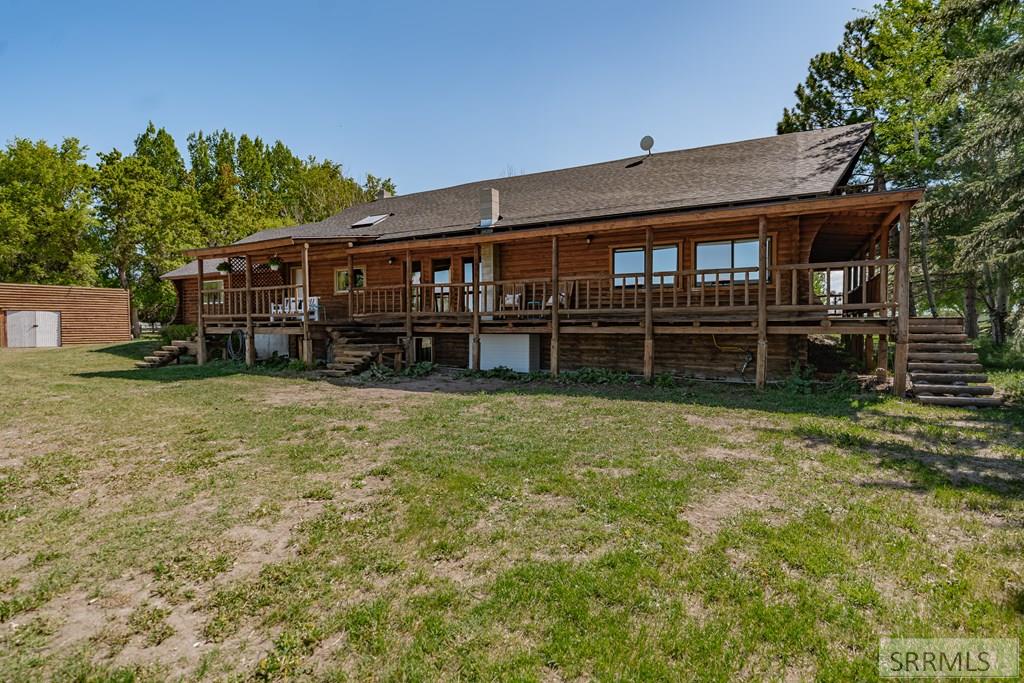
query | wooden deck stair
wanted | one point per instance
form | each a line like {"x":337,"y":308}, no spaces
{"x":944,"y":369}
{"x":354,"y":353}
{"x":166,"y":355}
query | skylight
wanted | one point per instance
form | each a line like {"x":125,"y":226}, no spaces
{"x":370,"y":220}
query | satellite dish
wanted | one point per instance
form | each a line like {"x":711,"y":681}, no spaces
{"x":646,"y":143}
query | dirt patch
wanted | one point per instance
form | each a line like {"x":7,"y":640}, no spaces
{"x":706,"y":517}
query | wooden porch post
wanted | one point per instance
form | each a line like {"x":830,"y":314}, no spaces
{"x":882,"y":364}
{"x":351,"y":277}
{"x":554,"y":306}
{"x":410,"y":349}
{"x":200,"y":326}
{"x":649,"y":304}
{"x":899,"y":385}
{"x":476,"y":307}
{"x":762,"y":302}
{"x":307,"y":340}
{"x":250,"y":333}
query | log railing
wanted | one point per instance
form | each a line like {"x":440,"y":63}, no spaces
{"x":279,"y":303}
{"x":841,"y":288}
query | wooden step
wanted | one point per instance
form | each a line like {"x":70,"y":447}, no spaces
{"x":944,"y":367}
{"x":165,"y":354}
{"x":181,"y":343}
{"x":947,"y":377}
{"x":940,"y":347}
{"x":152,"y":359}
{"x":954,"y":389}
{"x":938,"y":329}
{"x":944,"y":357}
{"x":965,"y":401}
{"x":925,"y":321}
{"x":144,"y":364}
{"x":174,"y":349}
{"x":947,"y":338}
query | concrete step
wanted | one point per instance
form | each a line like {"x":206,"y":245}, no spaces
{"x":947,"y":377}
{"x":944,"y":367}
{"x":944,"y":357}
{"x":921,"y":389}
{"x":940,"y":347}
{"x":964,"y":401}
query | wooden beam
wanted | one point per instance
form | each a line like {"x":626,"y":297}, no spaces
{"x":475,"y":299}
{"x":554,"y":306}
{"x":250,"y":333}
{"x":307,"y":341}
{"x":410,"y":347}
{"x":797,"y":207}
{"x":236,"y":249}
{"x":762,"y":301}
{"x":649,"y":304}
{"x":351,"y":282}
{"x":200,"y":327}
{"x":899,"y":385}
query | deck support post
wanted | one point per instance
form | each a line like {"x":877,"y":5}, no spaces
{"x":200,"y":326}
{"x":410,"y":350}
{"x":307,"y":340}
{"x":882,"y":364}
{"x":899,"y":385}
{"x":649,"y":304}
{"x":762,"y":302}
{"x":555,"y":302}
{"x":475,"y":302}
{"x":351,"y":301}
{"x":250,"y":335}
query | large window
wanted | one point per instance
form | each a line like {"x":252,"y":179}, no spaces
{"x":213,"y":292}
{"x":729,"y":255}
{"x":630,"y":262}
{"x":341,"y":278}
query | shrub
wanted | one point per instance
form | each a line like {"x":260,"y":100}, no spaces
{"x":171,"y":333}
{"x":595,"y":376}
{"x":1006,"y":357}
{"x":421,"y":369}
{"x":1014,"y":392}
{"x":800,"y":380}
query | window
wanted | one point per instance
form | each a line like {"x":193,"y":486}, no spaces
{"x":341,"y":279}
{"x":213,"y":292}
{"x":631,"y":262}
{"x":370,"y":220}
{"x":728,"y":255}
{"x":424,"y":349}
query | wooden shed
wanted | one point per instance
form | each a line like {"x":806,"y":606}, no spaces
{"x":57,"y":315}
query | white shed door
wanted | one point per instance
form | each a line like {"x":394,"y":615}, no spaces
{"x":27,"y":329}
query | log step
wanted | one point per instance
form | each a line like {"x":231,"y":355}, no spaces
{"x":939,"y":347}
{"x":944,"y":357}
{"x":144,"y":364}
{"x":945,"y":338}
{"x":977,"y":401}
{"x":938,"y":329}
{"x":954,"y":389}
{"x":942,"y":367}
{"x":946,"y":377}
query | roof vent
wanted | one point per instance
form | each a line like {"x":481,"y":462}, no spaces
{"x":488,"y":207}
{"x":370,"y":220}
{"x":382,"y":194}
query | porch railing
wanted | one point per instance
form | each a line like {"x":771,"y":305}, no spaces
{"x":279,"y":303}
{"x":835,"y":289}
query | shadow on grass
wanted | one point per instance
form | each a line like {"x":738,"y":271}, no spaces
{"x":133,"y":349}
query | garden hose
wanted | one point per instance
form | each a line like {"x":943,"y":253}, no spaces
{"x":236,"y":349}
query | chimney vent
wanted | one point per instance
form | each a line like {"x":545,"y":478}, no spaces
{"x":488,"y":207}
{"x":383,"y":194}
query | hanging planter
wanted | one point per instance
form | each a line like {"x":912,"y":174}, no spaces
{"x":275,"y":263}
{"x":224,"y":266}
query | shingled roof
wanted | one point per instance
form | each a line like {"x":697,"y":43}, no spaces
{"x":795,"y":165}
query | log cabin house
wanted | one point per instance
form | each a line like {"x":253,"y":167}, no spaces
{"x":713,"y":262}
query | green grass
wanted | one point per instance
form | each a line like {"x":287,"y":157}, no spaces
{"x":208,"y":523}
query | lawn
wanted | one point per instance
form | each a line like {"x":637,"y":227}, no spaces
{"x":208,"y":523}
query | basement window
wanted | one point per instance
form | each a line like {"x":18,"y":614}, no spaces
{"x":424,"y":349}
{"x":370,"y":220}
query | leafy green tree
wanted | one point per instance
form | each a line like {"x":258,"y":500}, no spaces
{"x":45,"y":214}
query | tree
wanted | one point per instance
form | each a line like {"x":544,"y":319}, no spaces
{"x":986,"y":158}
{"x":144,"y":225}
{"x":45,"y":214}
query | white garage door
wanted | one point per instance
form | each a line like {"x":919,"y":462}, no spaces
{"x":27,"y":329}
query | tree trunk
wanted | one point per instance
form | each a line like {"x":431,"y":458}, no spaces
{"x":929,"y":295}
{"x":133,"y":311}
{"x":971,"y":307}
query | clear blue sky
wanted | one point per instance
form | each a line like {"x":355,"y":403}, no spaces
{"x":430,"y":93}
